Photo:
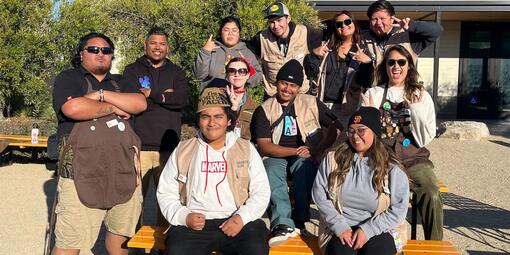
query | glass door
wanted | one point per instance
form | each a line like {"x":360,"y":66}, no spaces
{"x":484,"y":89}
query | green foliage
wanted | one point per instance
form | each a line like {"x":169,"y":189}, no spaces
{"x":39,"y":40}
{"x":25,"y":54}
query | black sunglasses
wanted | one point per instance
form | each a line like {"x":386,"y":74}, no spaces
{"x":96,"y":49}
{"x":240,"y":71}
{"x":400,"y":62}
{"x":341,"y":24}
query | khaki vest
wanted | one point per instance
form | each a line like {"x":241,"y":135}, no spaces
{"x":307,"y":118}
{"x":334,"y":194}
{"x":245,"y":116}
{"x":400,"y":37}
{"x":272,"y":59}
{"x":238,"y":160}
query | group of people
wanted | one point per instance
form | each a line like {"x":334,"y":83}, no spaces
{"x":345,"y":119}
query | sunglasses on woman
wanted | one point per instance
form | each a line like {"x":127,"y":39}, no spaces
{"x":96,"y":50}
{"x":240,"y":71}
{"x":400,"y":62}
{"x":342,"y":23}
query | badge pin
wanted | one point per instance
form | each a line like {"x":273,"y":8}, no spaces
{"x":112,"y":123}
{"x":386,"y":106}
{"x":182,"y":178}
{"x":121,"y":126}
{"x":92,"y":128}
{"x":406,"y":142}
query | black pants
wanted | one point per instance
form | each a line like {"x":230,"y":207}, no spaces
{"x":250,"y":241}
{"x":382,"y":244}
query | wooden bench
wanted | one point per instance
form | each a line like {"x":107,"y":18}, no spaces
{"x":414,"y":210}
{"x":23,"y":141}
{"x":149,"y":237}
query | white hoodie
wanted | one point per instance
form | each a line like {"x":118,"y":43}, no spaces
{"x":210,"y":192}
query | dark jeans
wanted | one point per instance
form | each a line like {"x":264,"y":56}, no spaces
{"x":250,"y":241}
{"x":382,"y":244}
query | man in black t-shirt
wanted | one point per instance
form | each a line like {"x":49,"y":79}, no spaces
{"x":83,"y":96}
{"x":287,"y":131}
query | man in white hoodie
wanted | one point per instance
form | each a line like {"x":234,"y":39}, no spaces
{"x":214,"y":188}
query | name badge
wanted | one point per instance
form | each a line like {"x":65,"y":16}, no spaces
{"x":112,"y":123}
{"x":182,"y":178}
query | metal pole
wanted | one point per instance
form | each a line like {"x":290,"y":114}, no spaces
{"x":435,"y":83}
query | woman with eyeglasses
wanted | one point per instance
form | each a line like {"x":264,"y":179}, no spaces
{"x":409,"y":124}
{"x":361,"y":192}
{"x":336,"y":68}
{"x":216,"y":53}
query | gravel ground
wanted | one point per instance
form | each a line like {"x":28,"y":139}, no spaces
{"x":477,"y":208}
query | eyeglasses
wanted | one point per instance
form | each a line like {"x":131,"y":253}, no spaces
{"x":342,"y":23}
{"x":96,"y":49}
{"x":234,"y":31}
{"x":400,"y":62}
{"x":240,"y":71}
{"x":360,"y":131}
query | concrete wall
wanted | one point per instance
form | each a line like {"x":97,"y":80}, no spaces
{"x":449,"y":49}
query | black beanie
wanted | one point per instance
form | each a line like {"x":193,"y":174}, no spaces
{"x":368,"y":116}
{"x":292,"y":71}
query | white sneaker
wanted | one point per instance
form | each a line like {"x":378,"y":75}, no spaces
{"x":281,"y":234}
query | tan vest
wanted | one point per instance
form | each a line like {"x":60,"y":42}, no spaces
{"x":238,"y":160}
{"x":402,"y":37}
{"x":307,"y":118}
{"x":272,"y":59}
{"x":245,"y":116}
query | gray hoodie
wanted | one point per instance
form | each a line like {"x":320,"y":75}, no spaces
{"x":359,"y":199}
{"x":210,"y":65}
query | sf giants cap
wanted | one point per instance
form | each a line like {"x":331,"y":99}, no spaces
{"x":276,"y":9}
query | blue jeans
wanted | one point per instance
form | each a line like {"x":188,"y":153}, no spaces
{"x":303,"y":173}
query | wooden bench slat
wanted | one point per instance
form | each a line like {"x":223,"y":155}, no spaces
{"x":23,"y":137}
{"x":149,"y":237}
{"x":29,"y":144}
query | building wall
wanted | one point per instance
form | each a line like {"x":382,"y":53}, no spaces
{"x":449,"y":48}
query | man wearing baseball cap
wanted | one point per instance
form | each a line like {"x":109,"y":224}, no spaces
{"x":280,"y":42}
{"x":214,"y":189}
{"x":287,"y":130}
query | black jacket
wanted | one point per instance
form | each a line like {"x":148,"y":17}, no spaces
{"x":159,"y":127}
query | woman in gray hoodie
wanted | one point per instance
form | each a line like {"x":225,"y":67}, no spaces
{"x":216,"y":53}
{"x":361,"y":193}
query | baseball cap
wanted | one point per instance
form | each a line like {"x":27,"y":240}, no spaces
{"x":277,"y":9}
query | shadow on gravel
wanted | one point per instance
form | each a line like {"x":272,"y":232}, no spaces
{"x":481,"y":221}
{"x":500,"y":143}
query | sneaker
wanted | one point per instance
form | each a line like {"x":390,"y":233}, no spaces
{"x":281,"y":234}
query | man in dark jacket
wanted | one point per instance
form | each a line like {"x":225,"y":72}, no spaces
{"x":166,"y":89}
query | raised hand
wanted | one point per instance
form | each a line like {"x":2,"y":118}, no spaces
{"x":360,"y":56}
{"x":322,"y":50}
{"x":210,"y":45}
{"x":403,"y":23}
{"x":416,"y":97}
{"x":235,"y":99}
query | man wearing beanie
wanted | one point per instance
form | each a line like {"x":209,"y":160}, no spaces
{"x":280,"y":42}
{"x":214,"y":188}
{"x":287,"y":129}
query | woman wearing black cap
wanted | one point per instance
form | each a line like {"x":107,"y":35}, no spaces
{"x":361,"y":192}
{"x":409,"y":124}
